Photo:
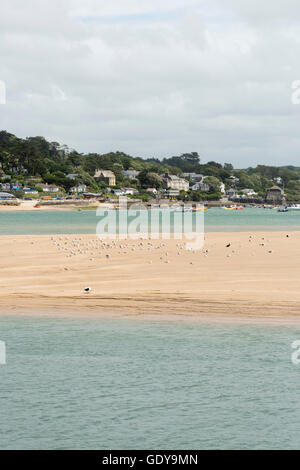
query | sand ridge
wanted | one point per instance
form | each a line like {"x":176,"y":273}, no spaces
{"x":235,"y":274}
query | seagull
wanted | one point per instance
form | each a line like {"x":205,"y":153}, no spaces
{"x":88,"y":289}
{"x":229,"y":245}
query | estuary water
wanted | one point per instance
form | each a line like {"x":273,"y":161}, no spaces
{"x":85,"y":221}
{"x":136,"y":384}
{"x":109,"y":383}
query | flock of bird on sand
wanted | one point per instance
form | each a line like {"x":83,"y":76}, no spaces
{"x":81,"y":246}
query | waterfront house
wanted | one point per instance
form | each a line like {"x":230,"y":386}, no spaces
{"x":107,"y":176}
{"x":5,"y":186}
{"x":130,"y":191}
{"x":6,"y":196}
{"x":174,"y":182}
{"x":49,"y":188}
{"x":118,"y":192}
{"x":249,"y":192}
{"x":80,"y":188}
{"x":275,"y":195}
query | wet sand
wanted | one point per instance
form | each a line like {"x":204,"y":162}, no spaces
{"x":41,"y":206}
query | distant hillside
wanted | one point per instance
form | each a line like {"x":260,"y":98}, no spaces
{"x":52,"y":162}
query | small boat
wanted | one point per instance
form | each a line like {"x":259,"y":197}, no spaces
{"x":182,"y":209}
{"x":293,"y":207}
{"x":282,"y":210}
{"x":233,"y":208}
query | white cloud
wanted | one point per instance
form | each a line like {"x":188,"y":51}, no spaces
{"x":184,"y":75}
{"x":118,"y":8}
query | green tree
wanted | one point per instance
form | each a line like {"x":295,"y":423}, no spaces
{"x":149,"y":179}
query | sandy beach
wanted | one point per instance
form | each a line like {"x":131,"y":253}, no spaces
{"x":38,"y":206}
{"x":258,"y":275}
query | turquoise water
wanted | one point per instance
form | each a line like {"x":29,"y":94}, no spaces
{"x":58,"y":222}
{"x":124,"y":384}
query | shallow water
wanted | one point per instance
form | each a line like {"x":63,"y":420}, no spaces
{"x":135,"y":384}
{"x":72,"y":222}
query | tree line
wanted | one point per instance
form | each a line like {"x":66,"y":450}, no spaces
{"x":52,"y":162}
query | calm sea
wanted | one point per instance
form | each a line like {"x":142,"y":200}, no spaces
{"x":135,"y":384}
{"x":58,"y":222}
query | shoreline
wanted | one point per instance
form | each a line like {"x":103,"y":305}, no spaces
{"x":29,"y":206}
{"x":186,"y":318}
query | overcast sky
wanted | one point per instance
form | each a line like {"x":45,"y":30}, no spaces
{"x":155,"y":78}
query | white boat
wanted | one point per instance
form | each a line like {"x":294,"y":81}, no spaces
{"x":293,"y":207}
{"x":182,"y":209}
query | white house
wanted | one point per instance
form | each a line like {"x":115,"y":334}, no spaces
{"x":5,"y":186}
{"x":118,"y":192}
{"x":174,"y":182}
{"x":249,"y":192}
{"x":130,"y":191}
{"x":49,"y":188}
{"x":80,"y":188}
{"x":201,"y":186}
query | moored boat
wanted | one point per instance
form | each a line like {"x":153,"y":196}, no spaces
{"x":293,"y":207}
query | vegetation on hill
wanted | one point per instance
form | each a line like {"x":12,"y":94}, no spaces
{"x":51,"y":162}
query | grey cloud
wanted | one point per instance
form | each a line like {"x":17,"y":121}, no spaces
{"x":211,"y":80}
